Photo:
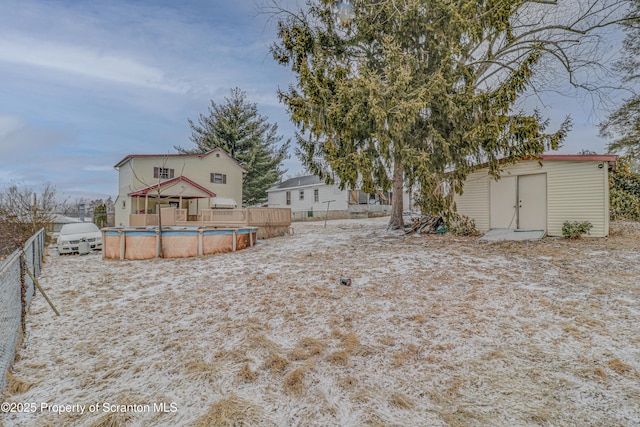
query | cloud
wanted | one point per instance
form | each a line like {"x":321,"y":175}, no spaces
{"x":20,"y":140}
{"x":85,"y":62}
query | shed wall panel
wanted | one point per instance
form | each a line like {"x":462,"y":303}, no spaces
{"x":474,"y":201}
{"x":576,"y":191}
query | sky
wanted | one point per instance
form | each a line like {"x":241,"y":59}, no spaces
{"x":85,"y":83}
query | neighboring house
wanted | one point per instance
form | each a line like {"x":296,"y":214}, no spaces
{"x":309,"y":197}
{"x":187,"y":181}
{"x":541,"y":194}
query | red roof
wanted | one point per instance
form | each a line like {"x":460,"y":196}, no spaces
{"x":580,"y":157}
{"x":612,"y":158}
{"x":146,"y":190}
{"x":215,"y":150}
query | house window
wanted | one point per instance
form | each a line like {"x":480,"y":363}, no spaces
{"x":124,"y":204}
{"x":301,"y":194}
{"x":288,"y":197}
{"x":163,"y":173}
{"x":316,"y":195}
{"x":218,"y":178}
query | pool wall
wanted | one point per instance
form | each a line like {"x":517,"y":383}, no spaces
{"x":177,"y":242}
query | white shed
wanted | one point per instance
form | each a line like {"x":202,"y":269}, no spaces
{"x":541,"y":194}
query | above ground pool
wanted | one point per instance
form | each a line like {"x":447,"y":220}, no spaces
{"x":177,"y":242}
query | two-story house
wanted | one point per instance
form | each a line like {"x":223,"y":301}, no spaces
{"x":309,"y":197}
{"x":190,"y":182}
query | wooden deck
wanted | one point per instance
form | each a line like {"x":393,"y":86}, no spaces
{"x":272,"y":222}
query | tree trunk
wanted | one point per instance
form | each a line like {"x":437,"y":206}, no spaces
{"x":159,"y":208}
{"x":396,"y":222}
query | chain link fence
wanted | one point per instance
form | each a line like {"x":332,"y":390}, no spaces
{"x":16,"y":291}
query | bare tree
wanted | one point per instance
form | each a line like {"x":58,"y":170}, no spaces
{"x":157,"y":189}
{"x":23,"y":212}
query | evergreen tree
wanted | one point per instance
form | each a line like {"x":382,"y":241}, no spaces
{"x":624,"y":123}
{"x":424,"y":90}
{"x":624,"y":191}
{"x":238,"y":128}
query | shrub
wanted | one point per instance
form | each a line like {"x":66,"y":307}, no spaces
{"x":575,"y":229}
{"x":624,"y":185}
{"x":461,"y":225}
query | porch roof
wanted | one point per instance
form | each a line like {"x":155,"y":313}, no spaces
{"x":180,"y":186}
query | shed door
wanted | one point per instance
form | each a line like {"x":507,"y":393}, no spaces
{"x":532,"y":198}
{"x":503,"y":196}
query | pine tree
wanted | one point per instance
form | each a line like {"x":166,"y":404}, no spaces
{"x":423,"y":90}
{"x":238,"y":128}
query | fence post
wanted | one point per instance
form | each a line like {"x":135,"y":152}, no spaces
{"x":23,"y":295}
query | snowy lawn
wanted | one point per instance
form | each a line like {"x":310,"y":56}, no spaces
{"x":436,"y":330}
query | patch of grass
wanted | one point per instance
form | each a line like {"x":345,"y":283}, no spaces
{"x":388,"y":340}
{"x":117,"y":419}
{"x":339,"y":358}
{"x":348,"y":382}
{"x":298,"y":354}
{"x":200,"y":370}
{"x":599,"y":372}
{"x":233,"y":356}
{"x":402,"y":401}
{"x":313,"y":345}
{"x":114,"y":419}
{"x":410,"y":353}
{"x":231,"y":412}
{"x":275,"y":363}
{"x":16,"y":385}
{"x":620,"y":367}
{"x":294,"y":382}
{"x":350,"y":342}
{"x":264,"y":343}
{"x":418,"y":318}
{"x":246,"y":374}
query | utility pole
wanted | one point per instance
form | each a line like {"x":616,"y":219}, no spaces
{"x":327,"y":214}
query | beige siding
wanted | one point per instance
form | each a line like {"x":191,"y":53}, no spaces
{"x":125,"y":177}
{"x":576,"y":191}
{"x":197,"y":169}
{"x":474,"y":201}
{"x":137,"y":173}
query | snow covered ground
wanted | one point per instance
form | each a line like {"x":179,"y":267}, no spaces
{"x":435,"y":330}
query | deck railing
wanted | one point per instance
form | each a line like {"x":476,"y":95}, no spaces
{"x":269,"y":219}
{"x":237,"y":216}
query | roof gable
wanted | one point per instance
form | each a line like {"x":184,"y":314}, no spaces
{"x":217,"y":150}
{"x":191,"y":190}
{"x":300,"y":181}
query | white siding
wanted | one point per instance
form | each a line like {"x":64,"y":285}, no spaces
{"x":278,"y":198}
{"x":474,"y":200}
{"x":576,"y":191}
